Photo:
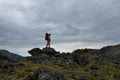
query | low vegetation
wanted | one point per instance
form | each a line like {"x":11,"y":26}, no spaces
{"x":107,"y":71}
{"x":90,"y":71}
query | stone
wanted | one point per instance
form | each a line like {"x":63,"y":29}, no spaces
{"x":50,"y":56}
{"x":7,"y":65}
{"x":101,"y":78}
{"x":20,"y":65}
{"x":49,"y":51}
{"x":35,"y":51}
{"x":117,"y":67}
{"x":94,"y":67}
{"x":11,"y":72}
{"x":43,"y":74}
{"x":94,"y":74}
{"x":80,"y":59}
{"x":49,"y":62}
{"x":46,"y":56}
{"x":30,"y":78}
{"x":117,"y":76}
{"x":76,"y":76}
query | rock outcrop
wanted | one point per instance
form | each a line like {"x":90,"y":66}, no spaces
{"x":81,"y":64}
{"x":81,"y":59}
{"x":45,"y":51}
{"x":35,"y":51}
{"x":110,"y":52}
{"x":50,"y":56}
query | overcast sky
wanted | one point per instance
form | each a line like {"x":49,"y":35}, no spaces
{"x":73,"y":24}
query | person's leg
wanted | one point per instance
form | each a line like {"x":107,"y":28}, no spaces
{"x":47,"y":44}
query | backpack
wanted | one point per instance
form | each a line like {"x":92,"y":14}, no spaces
{"x":46,"y":36}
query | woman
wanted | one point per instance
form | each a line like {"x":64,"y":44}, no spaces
{"x":48,"y":39}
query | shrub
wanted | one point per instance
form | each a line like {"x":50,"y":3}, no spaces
{"x":81,"y":51}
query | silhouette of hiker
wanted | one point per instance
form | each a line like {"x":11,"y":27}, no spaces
{"x":48,"y":39}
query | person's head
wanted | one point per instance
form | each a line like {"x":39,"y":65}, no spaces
{"x":49,"y":34}
{"x":46,"y":33}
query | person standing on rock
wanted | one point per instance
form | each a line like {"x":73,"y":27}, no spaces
{"x":48,"y":39}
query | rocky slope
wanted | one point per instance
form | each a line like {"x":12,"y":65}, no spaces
{"x":49,"y":64}
{"x":111,"y":52}
{"x":78,"y":57}
{"x":49,"y":56}
{"x":12,"y":56}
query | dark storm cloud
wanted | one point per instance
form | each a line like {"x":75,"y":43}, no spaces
{"x":75,"y":23}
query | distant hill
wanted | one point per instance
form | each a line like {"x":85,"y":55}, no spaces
{"x":4,"y":58}
{"x":12,"y":56}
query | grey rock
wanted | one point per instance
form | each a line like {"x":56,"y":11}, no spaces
{"x":94,"y":73}
{"x":101,"y":78}
{"x":49,"y":62}
{"x":95,"y":68}
{"x":20,"y":65}
{"x":76,"y":76}
{"x":117,"y":67}
{"x":46,"y":56}
{"x":30,"y":78}
{"x":81,"y":59}
{"x":50,"y":56}
{"x":35,"y":51}
{"x":11,"y":72}
{"x":111,"y":52}
{"x":43,"y":74}
{"x":117,"y":76}
{"x":49,"y":51}
{"x":6,"y":64}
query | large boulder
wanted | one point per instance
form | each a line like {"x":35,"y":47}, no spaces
{"x":46,"y":56}
{"x":49,"y":51}
{"x":35,"y":51}
{"x":81,"y":58}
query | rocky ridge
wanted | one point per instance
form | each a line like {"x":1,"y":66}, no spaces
{"x":49,"y":64}
{"x":50,"y":56}
{"x":78,"y":57}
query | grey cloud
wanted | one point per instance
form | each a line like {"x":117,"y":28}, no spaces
{"x":24,"y":23}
